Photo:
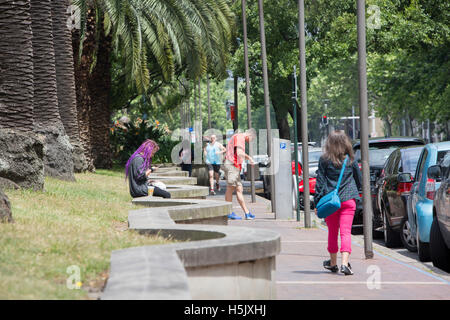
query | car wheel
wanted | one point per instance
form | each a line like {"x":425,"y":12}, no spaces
{"x":440,"y":254}
{"x":302,"y":201}
{"x":423,"y":248}
{"x":408,"y":240}
{"x":391,"y":238}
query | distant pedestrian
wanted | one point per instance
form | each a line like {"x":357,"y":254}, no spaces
{"x":213,"y":153}
{"x":235,"y":155}
{"x":138,"y":169}
{"x":337,"y":148}
{"x":186,"y":156}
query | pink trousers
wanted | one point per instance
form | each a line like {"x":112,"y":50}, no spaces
{"x":341,"y":221}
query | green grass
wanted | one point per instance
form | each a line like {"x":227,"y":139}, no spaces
{"x":70,"y":223}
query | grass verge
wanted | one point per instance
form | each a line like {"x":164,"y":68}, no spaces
{"x":69,"y":224}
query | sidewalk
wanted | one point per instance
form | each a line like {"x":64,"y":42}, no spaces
{"x":300,"y":274}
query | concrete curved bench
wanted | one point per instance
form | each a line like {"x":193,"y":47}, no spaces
{"x":184,"y":210}
{"x":171,"y":173}
{"x":213,"y":261}
{"x":172,"y":180}
{"x":183,"y":192}
{"x":219,"y":262}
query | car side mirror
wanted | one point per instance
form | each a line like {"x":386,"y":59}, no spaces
{"x":434,"y":172}
{"x":405,"y":177}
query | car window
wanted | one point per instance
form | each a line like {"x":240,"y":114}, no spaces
{"x":410,"y":158}
{"x":422,"y":164}
{"x":397,"y":163}
{"x":377,"y":157}
{"x":313,"y":156}
{"x":445,"y":165}
{"x":389,"y":164}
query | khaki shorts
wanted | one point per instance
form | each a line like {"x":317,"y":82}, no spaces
{"x":232,"y":174}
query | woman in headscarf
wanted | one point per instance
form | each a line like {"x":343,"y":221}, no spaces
{"x":138,"y":168}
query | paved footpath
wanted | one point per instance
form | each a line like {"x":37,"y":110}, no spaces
{"x":391,"y":274}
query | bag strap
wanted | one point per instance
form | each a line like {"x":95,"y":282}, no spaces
{"x":341,"y":174}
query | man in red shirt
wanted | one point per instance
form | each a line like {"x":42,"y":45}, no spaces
{"x":235,"y":155}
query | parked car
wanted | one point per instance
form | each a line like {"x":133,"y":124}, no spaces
{"x":395,"y":184}
{"x":313,"y":157}
{"x":422,"y":195}
{"x":440,"y":227}
{"x":379,"y":151}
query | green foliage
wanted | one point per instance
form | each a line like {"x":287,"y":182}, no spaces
{"x":407,"y":57}
{"x":127,"y":137}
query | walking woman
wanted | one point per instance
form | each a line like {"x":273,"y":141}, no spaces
{"x":138,"y":168}
{"x":337,"y":148}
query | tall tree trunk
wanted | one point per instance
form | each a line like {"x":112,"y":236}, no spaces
{"x":93,"y":89}
{"x":65,"y":80}
{"x":47,"y":121}
{"x":282,"y":123}
{"x":83,"y":62}
{"x":100,"y":115}
{"x":16,"y":66}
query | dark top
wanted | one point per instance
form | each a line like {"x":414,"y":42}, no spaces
{"x":328,"y":175}
{"x":137,"y":178}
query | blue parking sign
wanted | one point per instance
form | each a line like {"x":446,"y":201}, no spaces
{"x":282,"y":145}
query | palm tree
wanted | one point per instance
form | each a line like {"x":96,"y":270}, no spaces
{"x":47,"y":121}
{"x":157,"y":38}
{"x":65,"y":80}
{"x":16,"y":66}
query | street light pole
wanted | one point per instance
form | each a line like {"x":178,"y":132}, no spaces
{"x":247,"y":94}
{"x":304,"y":113}
{"x":294,"y":112}
{"x":364,"y":120}
{"x":262,"y":35}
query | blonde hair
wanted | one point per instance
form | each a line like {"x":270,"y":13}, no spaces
{"x":337,"y":147}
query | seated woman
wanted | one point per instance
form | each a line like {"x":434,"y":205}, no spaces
{"x":138,"y":168}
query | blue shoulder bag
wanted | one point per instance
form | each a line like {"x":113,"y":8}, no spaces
{"x":330,"y":203}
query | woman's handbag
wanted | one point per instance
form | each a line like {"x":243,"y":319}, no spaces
{"x":330,"y":202}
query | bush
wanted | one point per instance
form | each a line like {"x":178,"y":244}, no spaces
{"x":126,"y":136}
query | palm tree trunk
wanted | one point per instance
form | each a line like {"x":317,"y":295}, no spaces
{"x":47,"y":121}
{"x":16,"y":66}
{"x":100,"y":115}
{"x":65,"y":80}
{"x":92,"y":89}
{"x":83,"y":62}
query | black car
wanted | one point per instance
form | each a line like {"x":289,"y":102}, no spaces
{"x":379,"y":151}
{"x":395,"y":184}
{"x":440,"y":228}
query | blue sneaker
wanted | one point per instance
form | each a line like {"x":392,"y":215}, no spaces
{"x":234,"y":216}
{"x":249,"y":216}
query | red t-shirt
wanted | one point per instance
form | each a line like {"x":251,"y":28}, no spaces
{"x":236,"y":141}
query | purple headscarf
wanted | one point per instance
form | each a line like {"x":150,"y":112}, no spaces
{"x":146,"y":150}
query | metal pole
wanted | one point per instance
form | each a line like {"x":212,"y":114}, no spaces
{"x":304,"y":113}
{"x":235,"y":121}
{"x":209,"y":102}
{"x":200,"y":109}
{"x":262,"y":35}
{"x":295,"y":103}
{"x":364,"y":120}
{"x":353,"y":123}
{"x":247,"y":95}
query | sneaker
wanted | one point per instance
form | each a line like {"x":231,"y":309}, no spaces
{"x":249,"y":216}
{"x":347,"y":270}
{"x":211,"y":192}
{"x":327,"y":265}
{"x":234,"y":216}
